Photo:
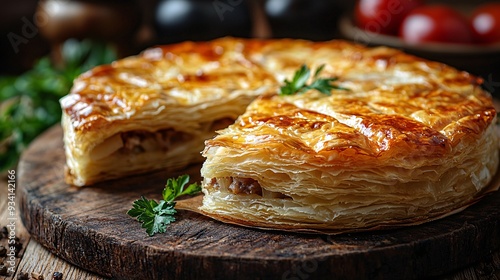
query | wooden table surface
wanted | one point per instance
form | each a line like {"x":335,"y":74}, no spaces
{"x":35,"y":260}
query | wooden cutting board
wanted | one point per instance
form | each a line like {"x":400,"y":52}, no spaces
{"x":89,"y":228}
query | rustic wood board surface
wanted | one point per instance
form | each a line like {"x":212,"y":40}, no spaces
{"x":89,"y":228}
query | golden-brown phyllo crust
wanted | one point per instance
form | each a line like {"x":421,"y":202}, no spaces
{"x":154,"y":110}
{"x":410,"y":141}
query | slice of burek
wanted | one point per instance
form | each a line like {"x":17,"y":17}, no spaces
{"x":154,"y":110}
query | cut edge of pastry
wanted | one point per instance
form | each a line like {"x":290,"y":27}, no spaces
{"x":130,"y":152}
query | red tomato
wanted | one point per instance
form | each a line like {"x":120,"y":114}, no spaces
{"x":486,"y":23}
{"x":436,"y":23}
{"x":383,"y":16}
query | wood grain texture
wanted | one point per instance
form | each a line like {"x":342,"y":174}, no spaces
{"x":89,"y":228}
{"x":39,"y":261}
{"x":33,"y":258}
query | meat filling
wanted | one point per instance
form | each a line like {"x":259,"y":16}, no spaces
{"x":139,"y":141}
{"x":237,"y":185}
{"x":243,"y":186}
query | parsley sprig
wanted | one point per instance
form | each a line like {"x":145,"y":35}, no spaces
{"x":155,"y":216}
{"x":298,"y":83}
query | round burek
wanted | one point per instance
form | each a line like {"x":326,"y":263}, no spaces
{"x":402,"y":141}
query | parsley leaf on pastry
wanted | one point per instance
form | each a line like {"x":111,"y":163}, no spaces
{"x":298,"y":83}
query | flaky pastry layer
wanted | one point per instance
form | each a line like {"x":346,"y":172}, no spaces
{"x":153,"y":111}
{"x":412,"y":140}
{"x":409,"y":142}
{"x":285,"y":165}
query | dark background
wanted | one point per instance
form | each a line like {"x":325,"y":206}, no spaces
{"x":132,"y":26}
{"x":159,"y":23}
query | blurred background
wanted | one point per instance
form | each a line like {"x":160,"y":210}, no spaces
{"x":47,"y":43}
{"x":31,"y":29}
{"x":35,"y":28}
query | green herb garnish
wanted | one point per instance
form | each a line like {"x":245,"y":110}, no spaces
{"x":29,"y":103}
{"x":155,"y":216}
{"x":298,"y":84}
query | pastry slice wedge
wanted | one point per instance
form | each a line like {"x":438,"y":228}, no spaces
{"x":155,"y":110}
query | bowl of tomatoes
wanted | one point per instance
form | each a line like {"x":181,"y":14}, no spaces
{"x":464,"y":34}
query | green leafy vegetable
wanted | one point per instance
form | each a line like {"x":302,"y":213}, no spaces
{"x":298,"y":83}
{"x":29,"y":103}
{"x":155,"y":216}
